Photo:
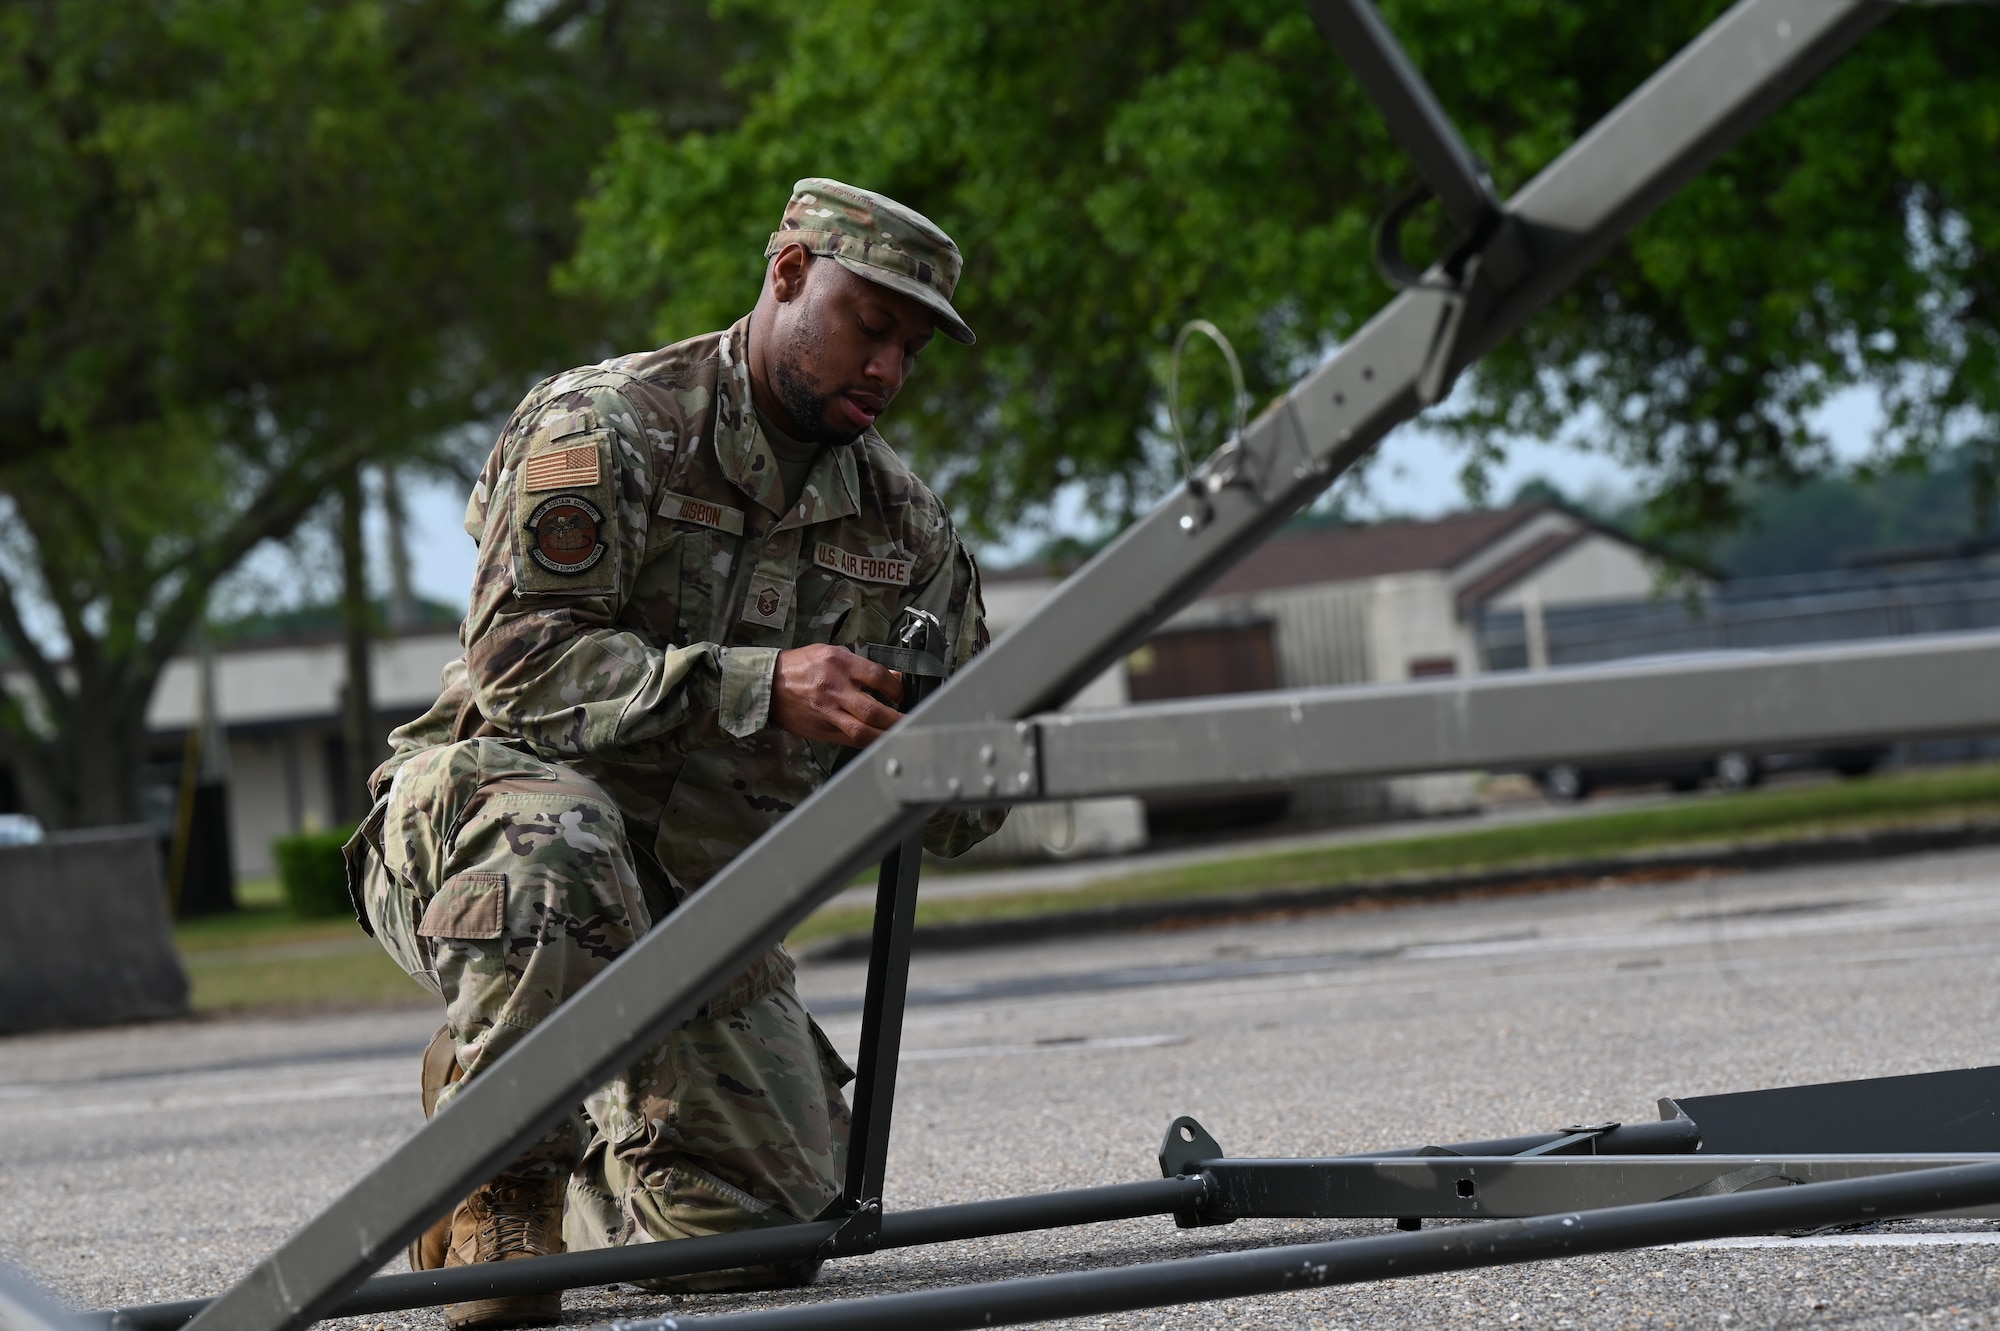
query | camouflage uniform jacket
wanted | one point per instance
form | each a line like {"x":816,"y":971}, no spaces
{"x":638,"y":575}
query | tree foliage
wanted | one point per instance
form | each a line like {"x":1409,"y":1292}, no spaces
{"x":248,"y":245}
{"x":1113,"y":170}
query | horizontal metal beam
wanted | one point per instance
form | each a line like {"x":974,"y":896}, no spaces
{"x":1353,"y":1261}
{"x":1505,"y":1187}
{"x":1819,"y":697}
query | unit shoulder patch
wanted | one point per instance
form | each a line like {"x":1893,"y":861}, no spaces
{"x":702,"y":512}
{"x":566,"y":534}
{"x":862,"y":568}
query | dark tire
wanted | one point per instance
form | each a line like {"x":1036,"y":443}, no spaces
{"x":1737,"y":771}
{"x":1564,"y":784}
{"x":1851,"y":765}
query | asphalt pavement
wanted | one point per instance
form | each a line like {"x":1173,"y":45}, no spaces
{"x":158,"y":1162}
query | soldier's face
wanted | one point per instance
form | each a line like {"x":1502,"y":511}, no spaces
{"x":843,"y":350}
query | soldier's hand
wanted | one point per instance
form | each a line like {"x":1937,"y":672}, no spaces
{"x":823,"y":693}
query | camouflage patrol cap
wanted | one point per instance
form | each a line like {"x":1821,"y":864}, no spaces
{"x":876,"y":238}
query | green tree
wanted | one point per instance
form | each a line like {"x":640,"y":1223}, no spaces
{"x":1113,"y":170}
{"x":248,"y":246}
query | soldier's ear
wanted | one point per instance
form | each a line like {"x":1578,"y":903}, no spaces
{"x":789,"y":269}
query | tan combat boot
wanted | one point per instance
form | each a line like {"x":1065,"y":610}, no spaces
{"x":514,"y":1216}
{"x":510,"y":1217}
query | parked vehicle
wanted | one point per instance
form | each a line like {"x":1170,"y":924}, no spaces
{"x":1566,"y":783}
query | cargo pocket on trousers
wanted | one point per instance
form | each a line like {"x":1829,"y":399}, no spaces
{"x":831,"y":1064}
{"x":471,"y":906}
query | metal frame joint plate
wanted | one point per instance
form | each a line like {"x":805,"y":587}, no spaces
{"x":983,"y":763}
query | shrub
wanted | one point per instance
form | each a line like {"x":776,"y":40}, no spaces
{"x":312,"y":872}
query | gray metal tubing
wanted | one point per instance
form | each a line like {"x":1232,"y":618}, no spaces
{"x":608,"y":1266}
{"x":1287,"y":457}
{"x":1354,"y":1261}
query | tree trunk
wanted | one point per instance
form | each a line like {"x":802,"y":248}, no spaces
{"x":402,"y":599}
{"x":97,"y":780}
{"x":362,"y":746}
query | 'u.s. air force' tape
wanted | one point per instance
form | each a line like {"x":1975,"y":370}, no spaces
{"x":862,"y":568}
{"x":702,"y":512}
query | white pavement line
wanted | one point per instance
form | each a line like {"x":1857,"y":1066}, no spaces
{"x":64,"y":1107}
{"x":1079,"y":1045}
{"x":1980,"y":1238}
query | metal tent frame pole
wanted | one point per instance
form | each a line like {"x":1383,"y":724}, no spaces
{"x":1749,"y":61}
{"x":1355,"y":1261}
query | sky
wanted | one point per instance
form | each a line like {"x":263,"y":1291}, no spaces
{"x":1416,"y":475}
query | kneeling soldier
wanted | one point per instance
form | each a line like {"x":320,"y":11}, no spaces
{"x":676,"y":551}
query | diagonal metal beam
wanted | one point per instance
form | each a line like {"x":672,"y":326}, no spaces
{"x":1416,"y":119}
{"x":1581,"y":204}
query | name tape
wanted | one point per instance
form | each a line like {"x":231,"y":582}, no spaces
{"x":863,"y":568}
{"x":702,"y":513}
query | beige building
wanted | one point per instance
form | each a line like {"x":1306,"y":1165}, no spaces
{"x":1383,"y":603}
{"x":280,"y":706}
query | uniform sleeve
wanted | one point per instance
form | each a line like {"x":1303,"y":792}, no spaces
{"x":954,"y":831}
{"x":561,"y":515}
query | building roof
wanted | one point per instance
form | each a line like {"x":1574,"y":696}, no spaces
{"x":1511,"y":570}
{"x":1346,"y":554}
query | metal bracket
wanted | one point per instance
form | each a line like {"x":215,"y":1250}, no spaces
{"x":860,"y":1233}
{"x":961,"y":764}
{"x":1188,"y":1145}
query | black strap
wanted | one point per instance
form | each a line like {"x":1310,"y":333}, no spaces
{"x":904,"y":660}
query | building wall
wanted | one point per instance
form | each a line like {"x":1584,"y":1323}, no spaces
{"x":1594,"y":569}
{"x":280,"y":707}
{"x":277,"y":787}
{"x":284,"y":685}
{"x":1414,"y":629}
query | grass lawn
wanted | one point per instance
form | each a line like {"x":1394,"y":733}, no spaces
{"x":1900,"y":799}
{"x":264,"y":957}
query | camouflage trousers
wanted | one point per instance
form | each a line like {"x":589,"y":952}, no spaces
{"x":504,"y":884}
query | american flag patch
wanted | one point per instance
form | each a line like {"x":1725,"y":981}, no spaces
{"x":561,"y":468}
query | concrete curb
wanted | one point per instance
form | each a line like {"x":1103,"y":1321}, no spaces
{"x":1673,"y":862}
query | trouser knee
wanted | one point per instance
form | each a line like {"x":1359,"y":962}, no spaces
{"x":506,"y":884}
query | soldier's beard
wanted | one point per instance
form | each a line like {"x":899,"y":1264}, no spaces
{"x":804,"y":402}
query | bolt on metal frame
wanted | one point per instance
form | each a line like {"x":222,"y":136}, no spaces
{"x":1748,"y":62}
